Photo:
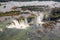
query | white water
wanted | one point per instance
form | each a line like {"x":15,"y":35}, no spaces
{"x":40,"y":18}
{"x":17,"y":25}
{"x":1,"y":29}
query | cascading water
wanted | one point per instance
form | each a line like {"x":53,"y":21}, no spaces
{"x":39,"y":21}
{"x":23,"y":23}
{"x":18,"y":25}
{"x":40,"y":18}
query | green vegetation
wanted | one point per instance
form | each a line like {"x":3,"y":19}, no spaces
{"x":4,"y":23}
{"x":19,"y":34}
{"x":32,"y":8}
{"x":55,"y":13}
{"x":55,"y":16}
{"x":33,"y":15}
{"x":21,"y":18}
{"x":11,"y":13}
{"x":13,"y":34}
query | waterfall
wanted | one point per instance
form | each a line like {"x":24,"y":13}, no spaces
{"x":26,"y":21}
{"x":24,"y":24}
{"x":18,"y":25}
{"x":39,"y":21}
{"x":40,"y":18}
{"x":14,"y":24}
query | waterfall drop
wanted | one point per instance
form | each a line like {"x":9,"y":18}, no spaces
{"x":18,"y":25}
